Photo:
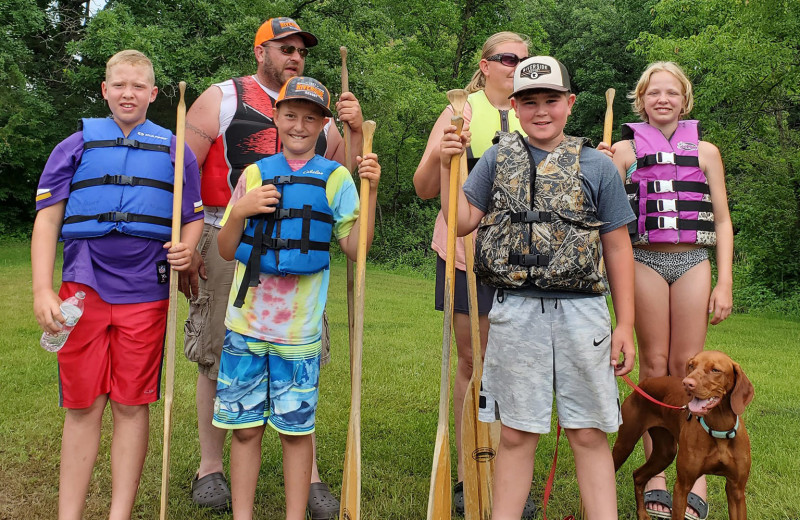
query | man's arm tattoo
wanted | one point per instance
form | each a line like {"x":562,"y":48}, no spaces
{"x":199,"y":132}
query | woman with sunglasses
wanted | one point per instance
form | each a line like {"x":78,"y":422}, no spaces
{"x":488,"y":110}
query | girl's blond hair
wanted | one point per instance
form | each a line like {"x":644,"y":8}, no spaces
{"x":134,"y":58}
{"x":478,"y":81}
{"x":637,"y":94}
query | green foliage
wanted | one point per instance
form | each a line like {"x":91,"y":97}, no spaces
{"x":743,"y":60}
{"x":403,"y":55}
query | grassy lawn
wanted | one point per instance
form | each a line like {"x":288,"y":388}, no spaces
{"x":402,"y":349}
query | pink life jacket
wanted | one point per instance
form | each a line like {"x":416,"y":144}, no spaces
{"x":668,"y":191}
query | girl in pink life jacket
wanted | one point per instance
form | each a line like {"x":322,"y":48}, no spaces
{"x":676,"y":184}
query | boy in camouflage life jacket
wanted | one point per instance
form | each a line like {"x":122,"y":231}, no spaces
{"x":547,"y":210}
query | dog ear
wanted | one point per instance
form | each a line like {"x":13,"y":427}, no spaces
{"x":742,"y":392}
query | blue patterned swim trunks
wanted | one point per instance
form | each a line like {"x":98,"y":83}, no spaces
{"x":267,"y":383}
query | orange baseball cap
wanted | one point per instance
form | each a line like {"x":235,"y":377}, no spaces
{"x":277,"y":28}
{"x":309,"y":89}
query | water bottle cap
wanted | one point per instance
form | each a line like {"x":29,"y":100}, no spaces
{"x":80,"y":295}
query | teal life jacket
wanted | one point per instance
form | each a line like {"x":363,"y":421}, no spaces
{"x":295,"y":239}
{"x":122,"y":184}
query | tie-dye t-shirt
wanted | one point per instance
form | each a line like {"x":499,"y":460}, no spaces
{"x":288,"y":309}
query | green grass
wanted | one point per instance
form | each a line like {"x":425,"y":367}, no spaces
{"x":402,"y":356}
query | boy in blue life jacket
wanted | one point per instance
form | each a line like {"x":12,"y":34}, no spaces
{"x":547,"y":209}
{"x":107,"y":191}
{"x":289,"y":205}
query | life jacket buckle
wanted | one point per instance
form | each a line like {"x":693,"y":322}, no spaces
{"x":667,"y":222}
{"x":665,"y":158}
{"x":663,"y":186}
{"x":113,"y":216}
{"x":282,"y":213}
{"x":665,"y":205}
{"x":122,"y":141}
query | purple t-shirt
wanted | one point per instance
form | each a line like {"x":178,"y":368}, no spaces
{"x":121,"y":268}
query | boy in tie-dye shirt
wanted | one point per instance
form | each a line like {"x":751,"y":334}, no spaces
{"x":269,"y":370}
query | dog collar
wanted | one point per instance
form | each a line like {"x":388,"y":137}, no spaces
{"x":717,"y":434}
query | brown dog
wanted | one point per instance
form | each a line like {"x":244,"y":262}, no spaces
{"x":713,"y":439}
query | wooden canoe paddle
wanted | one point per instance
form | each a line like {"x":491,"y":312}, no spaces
{"x":348,"y":163}
{"x":172,"y":313}
{"x":479,"y":440}
{"x":350,"y":506}
{"x":439,"y":496}
{"x":608,"y":124}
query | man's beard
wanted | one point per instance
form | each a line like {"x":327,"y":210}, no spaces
{"x":273,"y":75}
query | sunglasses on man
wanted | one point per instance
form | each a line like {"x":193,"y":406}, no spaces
{"x":509,"y":59}
{"x":288,"y":50}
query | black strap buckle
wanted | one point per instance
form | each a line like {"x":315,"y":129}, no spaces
{"x":531,"y":216}
{"x":122,"y":141}
{"x":113,"y":216}
{"x":282,"y":213}
{"x":282,"y":179}
{"x":118,"y":179}
{"x":279,"y":243}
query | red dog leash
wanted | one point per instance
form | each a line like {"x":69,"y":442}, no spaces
{"x":649,"y":397}
{"x":549,"y":485}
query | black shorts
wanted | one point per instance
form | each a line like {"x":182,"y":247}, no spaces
{"x":460,"y":301}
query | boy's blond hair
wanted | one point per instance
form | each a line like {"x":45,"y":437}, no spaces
{"x":637,"y":94}
{"x":478,"y":81}
{"x":134,"y":58}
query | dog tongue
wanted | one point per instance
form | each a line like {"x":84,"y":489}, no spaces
{"x":698,"y":405}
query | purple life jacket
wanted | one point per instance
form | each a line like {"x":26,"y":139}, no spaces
{"x":668,"y":191}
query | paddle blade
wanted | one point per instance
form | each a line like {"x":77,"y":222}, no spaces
{"x":439,"y":496}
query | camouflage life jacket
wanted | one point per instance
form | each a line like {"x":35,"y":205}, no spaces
{"x":550,"y":239}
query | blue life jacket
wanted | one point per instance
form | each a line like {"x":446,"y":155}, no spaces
{"x":295,"y":239}
{"x":122,"y":184}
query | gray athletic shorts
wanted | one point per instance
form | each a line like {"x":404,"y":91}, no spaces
{"x":204,"y":330}
{"x":541,"y":346}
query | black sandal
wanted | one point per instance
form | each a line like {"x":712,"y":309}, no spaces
{"x":211,"y":491}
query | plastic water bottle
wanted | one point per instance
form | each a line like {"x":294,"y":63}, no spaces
{"x":72,"y":310}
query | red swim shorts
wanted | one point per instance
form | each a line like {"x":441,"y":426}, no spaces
{"x":115,"y":349}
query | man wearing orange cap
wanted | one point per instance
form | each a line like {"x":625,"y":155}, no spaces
{"x":230,"y":126}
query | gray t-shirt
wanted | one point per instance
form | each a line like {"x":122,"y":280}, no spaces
{"x":601,"y":184}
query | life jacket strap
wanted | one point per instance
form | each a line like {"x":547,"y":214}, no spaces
{"x":674,"y":205}
{"x":122,"y":180}
{"x":529,"y":260}
{"x":119,"y":216}
{"x":305,"y":214}
{"x":294,"y":179}
{"x":285,"y":243}
{"x":667,"y":158}
{"x":130,"y":143}
{"x":531,"y":216}
{"x":669,"y":186}
{"x":678,"y":223}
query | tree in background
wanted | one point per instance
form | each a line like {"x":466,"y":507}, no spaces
{"x":744,"y":60}
{"x":403,"y":55}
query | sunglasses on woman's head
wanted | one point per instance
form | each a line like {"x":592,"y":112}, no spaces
{"x":509,"y":59}
{"x":289,"y":49}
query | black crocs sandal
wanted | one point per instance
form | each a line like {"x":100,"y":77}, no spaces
{"x":699,"y":505}
{"x":529,"y":511}
{"x":322,"y":505}
{"x":458,"y":498}
{"x":212,"y":492}
{"x":658,"y":496}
